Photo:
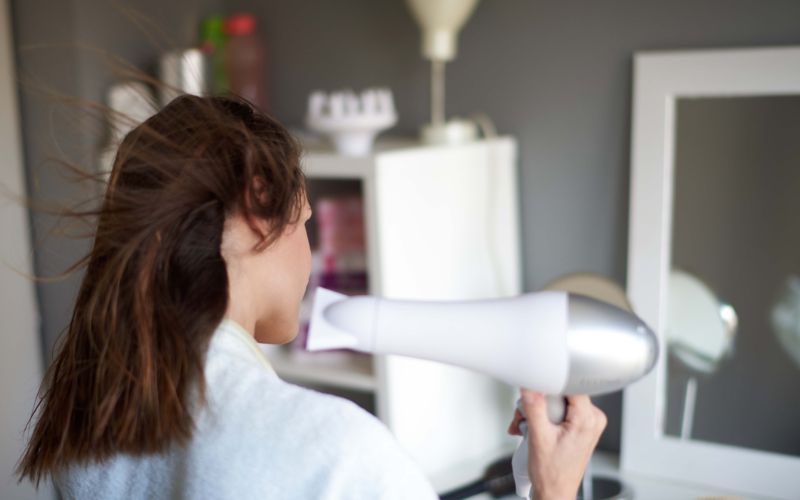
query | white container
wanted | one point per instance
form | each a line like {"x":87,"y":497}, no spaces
{"x":182,"y":72}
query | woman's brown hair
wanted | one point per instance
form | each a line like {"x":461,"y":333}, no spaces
{"x":130,"y":366}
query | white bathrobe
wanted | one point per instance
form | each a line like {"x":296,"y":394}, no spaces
{"x":260,"y":437}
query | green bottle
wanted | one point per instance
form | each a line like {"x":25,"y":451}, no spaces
{"x":213,"y":39}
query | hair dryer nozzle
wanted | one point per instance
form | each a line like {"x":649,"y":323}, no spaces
{"x":341,"y":322}
{"x":322,"y":335}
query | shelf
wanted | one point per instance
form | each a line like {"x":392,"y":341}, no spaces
{"x":334,"y":166}
{"x":345,"y":370}
{"x":322,"y":162}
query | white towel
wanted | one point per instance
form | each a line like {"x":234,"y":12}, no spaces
{"x":260,"y":437}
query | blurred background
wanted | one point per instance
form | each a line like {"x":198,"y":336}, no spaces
{"x":555,"y":75}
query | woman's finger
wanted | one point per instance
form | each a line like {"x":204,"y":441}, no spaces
{"x":539,"y":425}
{"x":578,"y":407}
{"x":513,"y":427}
{"x":583,"y":414}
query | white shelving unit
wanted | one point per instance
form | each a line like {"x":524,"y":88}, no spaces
{"x":441,"y":223}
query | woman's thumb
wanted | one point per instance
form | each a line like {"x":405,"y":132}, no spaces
{"x":535,"y":406}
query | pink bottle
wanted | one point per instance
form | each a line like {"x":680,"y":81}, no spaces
{"x":245,"y":59}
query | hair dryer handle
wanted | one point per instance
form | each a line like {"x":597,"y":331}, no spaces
{"x":556,"y":411}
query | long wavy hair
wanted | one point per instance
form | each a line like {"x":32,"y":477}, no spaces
{"x":130,"y":364}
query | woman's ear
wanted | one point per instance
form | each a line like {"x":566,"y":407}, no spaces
{"x":258,"y":190}
{"x":256,"y":195}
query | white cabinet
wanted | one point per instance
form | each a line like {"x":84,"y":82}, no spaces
{"x":441,"y":223}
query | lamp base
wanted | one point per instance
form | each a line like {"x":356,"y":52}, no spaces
{"x":455,"y":131}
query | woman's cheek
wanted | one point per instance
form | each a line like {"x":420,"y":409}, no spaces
{"x":304,"y":251}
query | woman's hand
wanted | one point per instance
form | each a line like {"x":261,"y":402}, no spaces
{"x":558,"y":454}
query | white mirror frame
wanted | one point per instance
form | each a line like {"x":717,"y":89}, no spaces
{"x":660,"y":79}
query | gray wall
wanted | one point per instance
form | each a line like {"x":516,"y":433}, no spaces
{"x":556,"y":74}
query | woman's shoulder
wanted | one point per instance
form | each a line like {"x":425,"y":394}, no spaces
{"x":304,"y":414}
{"x":350,"y":444}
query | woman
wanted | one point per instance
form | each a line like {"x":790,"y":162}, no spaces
{"x":159,"y":389}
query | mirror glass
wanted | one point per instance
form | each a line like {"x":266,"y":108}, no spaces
{"x":733,"y":320}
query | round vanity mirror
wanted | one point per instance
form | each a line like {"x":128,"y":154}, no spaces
{"x":700,"y":327}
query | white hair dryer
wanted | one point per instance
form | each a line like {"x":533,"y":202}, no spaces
{"x":552,"y":342}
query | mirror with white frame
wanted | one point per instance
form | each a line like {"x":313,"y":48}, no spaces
{"x":714,"y":268}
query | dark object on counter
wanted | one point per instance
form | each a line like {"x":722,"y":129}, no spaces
{"x":245,"y":60}
{"x":498,"y":482}
{"x":608,"y":488}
